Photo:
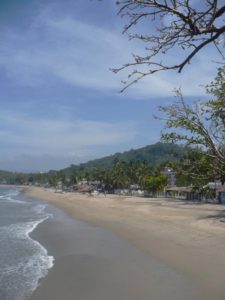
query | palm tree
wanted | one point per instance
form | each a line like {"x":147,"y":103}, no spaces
{"x":120,"y":175}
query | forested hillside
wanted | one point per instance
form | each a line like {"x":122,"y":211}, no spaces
{"x":154,"y":155}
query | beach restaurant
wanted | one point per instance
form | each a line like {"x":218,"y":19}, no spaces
{"x":186,"y":192}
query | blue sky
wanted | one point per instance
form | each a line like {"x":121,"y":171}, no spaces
{"x":59,"y":100}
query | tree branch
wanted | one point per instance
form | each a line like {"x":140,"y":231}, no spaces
{"x":191,"y":28}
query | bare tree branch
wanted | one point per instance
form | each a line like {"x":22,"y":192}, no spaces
{"x":191,"y":28}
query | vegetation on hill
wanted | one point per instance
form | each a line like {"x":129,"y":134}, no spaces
{"x":154,"y":155}
{"x":142,"y":167}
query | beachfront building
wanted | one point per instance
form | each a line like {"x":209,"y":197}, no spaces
{"x":85,"y":186}
{"x":211,"y":192}
{"x":215,"y":185}
{"x":185,"y":192}
{"x":171,"y":175}
{"x":219,"y":190}
{"x":221,"y":195}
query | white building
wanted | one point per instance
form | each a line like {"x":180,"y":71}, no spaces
{"x":171,"y":175}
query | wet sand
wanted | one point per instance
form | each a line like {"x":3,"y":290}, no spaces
{"x":93,"y":264}
{"x":162,"y":249}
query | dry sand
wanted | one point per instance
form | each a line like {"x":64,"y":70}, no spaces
{"x":189,"y":237}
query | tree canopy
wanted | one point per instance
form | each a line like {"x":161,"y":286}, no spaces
{"x":201,"y":125}
{"x":184,"y":25}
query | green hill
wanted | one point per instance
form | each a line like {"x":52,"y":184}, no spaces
{"x":153,"y":154}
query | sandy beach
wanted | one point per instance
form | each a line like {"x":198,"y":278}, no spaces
{"x":187,"y":237}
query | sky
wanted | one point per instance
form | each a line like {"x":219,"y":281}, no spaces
{"x":60,"y":103}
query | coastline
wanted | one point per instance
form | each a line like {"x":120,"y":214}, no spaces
{"x":189,"y":237}
{"x":23,"y":260}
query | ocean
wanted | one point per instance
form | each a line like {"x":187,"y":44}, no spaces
{"x":23,"y":261}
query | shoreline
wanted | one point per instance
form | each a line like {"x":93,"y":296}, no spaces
{"x":189,"y":237}
{"x":23,"y":260}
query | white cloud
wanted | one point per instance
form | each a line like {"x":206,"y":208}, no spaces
{"x":39,"y":163}
{"x":61,"y":137}
{"x":31,"y":144}
{"x":81,"y":55}
{"x":75,"y":52}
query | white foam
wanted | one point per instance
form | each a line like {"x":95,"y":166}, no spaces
{"x":12,"y":200}
{"x":39,"y":208}
{"x":9,"y":197}
{"x":41,"y":263}
{"x":29,"y":269}
{"x":20,"y":274}
{"x":22,"y":230}
{"x":14,"y":192}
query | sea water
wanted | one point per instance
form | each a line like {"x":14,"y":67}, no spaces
{"x":23,"y":261}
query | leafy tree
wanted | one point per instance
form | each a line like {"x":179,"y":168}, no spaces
{"x":154,"y":184}
{"x":53,"y":181}
{"x":73,"y":178}
{"x":184,"y":25}
{"x":120,"y":175}
{"x":108,"y":182}
{"x":139,"y":170}
{"x":62,"y":177}
{"x":193,"y":169}
{"x":201,"y":125}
